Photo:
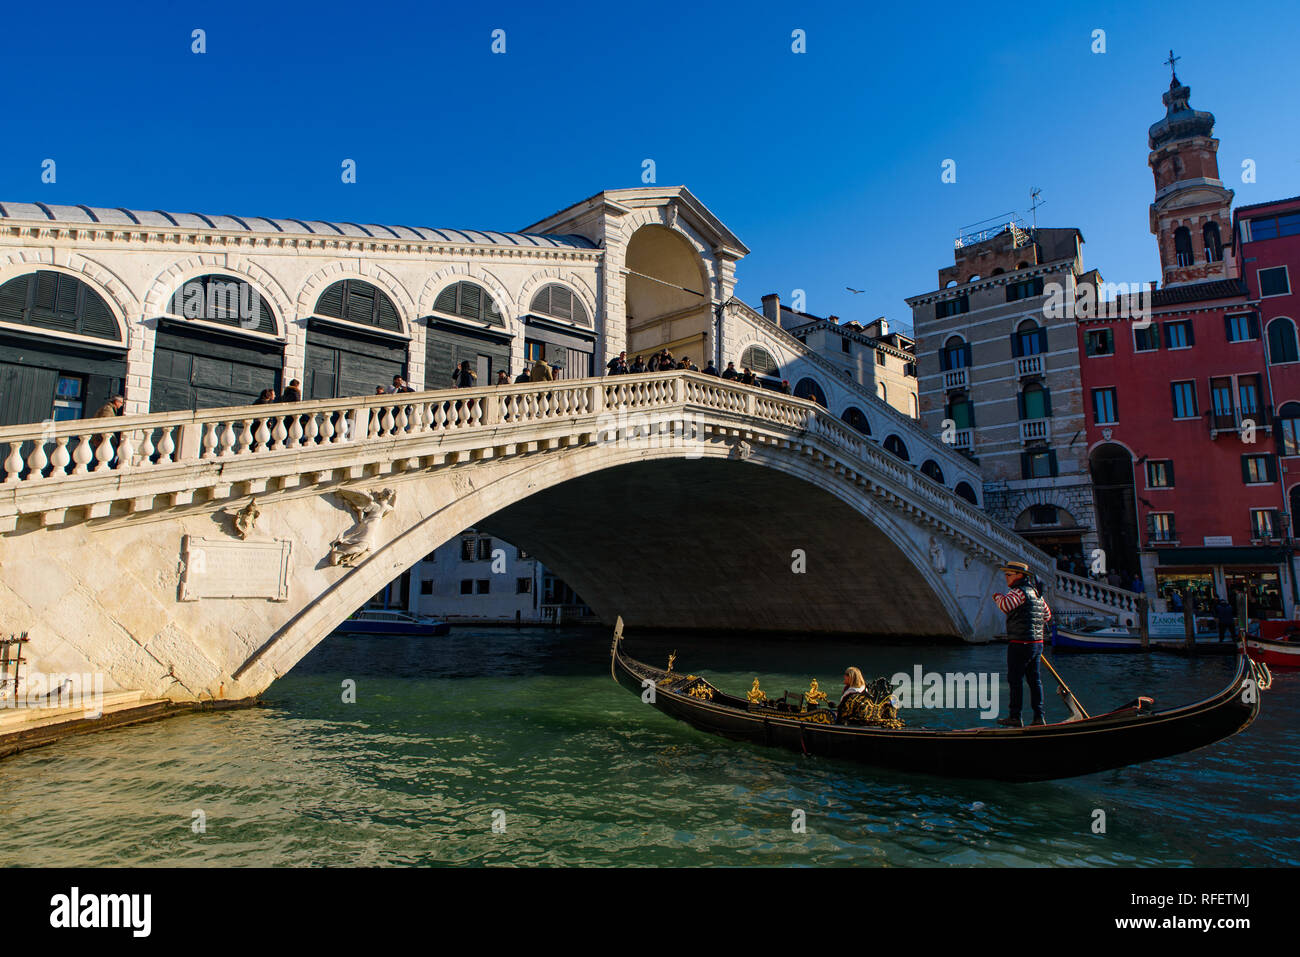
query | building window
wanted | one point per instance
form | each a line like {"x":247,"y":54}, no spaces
{"x":1271,"y":227}
{"x":1043,"y":515}
{"x":534,"y":350}
{"x":426,"y":586}
{"x":880,"y":358}
{"x":845,"y":346}
{"x":521,"y":555}
{"x":1242,"y":327}
{"x":467,"y":586}
{"x":469,"y":301}
{"x":955,"y":355}
{"x":961,"y":411}
{"x":1162,"y":527}
{"x":855,"y":417}
{"x":1025,"y":289}
{"x":896,"y":446}
{"x":1099,"y":342}
{"x":357,"y":301}
{"x":1264,"y":523}
{"x":1213,"y":245}
{"x":1282,"y":341}
{"x":1289,"y":419}
{"x":1035,"y":402}
{"x":523,"y":586}
{"x":1248,"y":395}
{"x":1178,"y":335}
{"x":485,"y":549}
{"x":431,"y":556}
{"x":761,"y":362}
{"x":909,"y":369}
{"x":1183,"y":247}
{"x":1184,"y":399}
{"x":1146,"y":338}
{"x":467,"y":549}
{"x":931,"y":468}
{"x":1258,"y":469}
{"x":1104,"y":411}
{"x":560,"y":302}
{"x":1274,"y":282}
{"x":1030,"y":339}
{"x":951,"y":307}
{"x":483,"y":586}
{"x":1160,"y":473}
{"x":54,"y":300}
{"x":1038,"y":462}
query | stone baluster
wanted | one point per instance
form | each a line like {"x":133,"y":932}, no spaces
{"x":327,"y":428}
{"x":36,"y":461}
{"x":166,"y":447}
{"x":386,"y":423}
{"x":262,"y":434}
{"x":82,"y":456}
{"x":59,"y":458}
{"x":209,"y":442}
{"x":313,"y":429}
{"x":227,"y":441}
{"x":14,"y":463}
{"x":280,"y":434}
{"x":247,"y":433}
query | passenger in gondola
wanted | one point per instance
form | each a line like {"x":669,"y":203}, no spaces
{"x":849,"y":710}
{"x":1028,"y":616}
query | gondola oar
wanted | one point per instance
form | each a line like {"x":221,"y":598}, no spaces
{"x":1067,"y":694}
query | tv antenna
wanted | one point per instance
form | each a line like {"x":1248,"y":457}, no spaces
{"x":1034,"y":193}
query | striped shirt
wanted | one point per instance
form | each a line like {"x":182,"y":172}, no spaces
{"x":1014,"y":599}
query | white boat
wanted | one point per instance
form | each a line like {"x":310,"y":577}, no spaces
{"x":386,"y":621}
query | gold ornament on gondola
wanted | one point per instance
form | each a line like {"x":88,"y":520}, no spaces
{"x":671,"y":659}
{"x":814,"y":695}
{"x":702,"y":691}
{"x":756,"y":694}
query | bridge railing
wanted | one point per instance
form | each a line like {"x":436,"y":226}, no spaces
{"x":1093,"y":594}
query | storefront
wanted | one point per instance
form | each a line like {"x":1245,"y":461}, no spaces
{"x":64,"y":353}
{"x":571,"y":349}
{"x":1261,"y":573}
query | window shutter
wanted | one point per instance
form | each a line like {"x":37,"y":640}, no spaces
{"x":966,"y":354}
{"x":1015,"y":346}
{"x":1047,"y":402}
{"x":944,"y":365}
{"x":1253,"y":322}
{"x":1169,"y":471}
{"x":1169,"y":335}
{"x":331,"y":301}
{"x":1051,"y":461}
{"x":1020,"y":405}
{"x":1024,"y":465}
{"x":1245,"y":469}
{"x":1191,"y":333}
{"x":446,"y":301}
{"x":1173,"y":398}
{"x":1270,"y":463}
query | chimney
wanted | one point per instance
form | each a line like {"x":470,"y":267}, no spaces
{"x":772,"y":307}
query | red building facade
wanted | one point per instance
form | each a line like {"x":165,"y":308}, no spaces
{"x":1192,"y":469}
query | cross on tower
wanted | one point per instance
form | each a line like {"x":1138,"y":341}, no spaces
{"x":1170,"y":63}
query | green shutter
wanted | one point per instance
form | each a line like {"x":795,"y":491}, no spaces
{"x":1245,"y":469}
{"x":1051,"y":461}
{"x":1047,"y":402}
{"x":1020,"y":405}
{"x":331,"y":301}
{"x":1024,"y":465}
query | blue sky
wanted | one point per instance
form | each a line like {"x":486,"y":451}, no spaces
{"x":826,"y":164}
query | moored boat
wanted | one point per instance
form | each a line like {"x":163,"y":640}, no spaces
{"x":1276,"y":643}
{"x":1084,"y":744}
{"x":377,"y":622}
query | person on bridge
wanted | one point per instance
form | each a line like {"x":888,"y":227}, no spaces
{"x":399,"y":385}
{"x":638,"y":365}
{"x":522,"y":377}
{"x":503,"y":377}
{"x":711,"y":369}
{"x":1028,"y":616}
{"x":618,"y":364}
{"x":541,"y":372}
{"x":464,"y":376}
{"x":730,"y":371}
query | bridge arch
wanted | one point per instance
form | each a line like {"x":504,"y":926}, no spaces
{"x":669,"y":294}
{"x":907,"y":595}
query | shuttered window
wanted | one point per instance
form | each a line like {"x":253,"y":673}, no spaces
{"x":357,"y":301}
{"x":560,"y":302}
{"x":469,"y":301}
{"x":58,"y":302}
{"x":225,"y":300}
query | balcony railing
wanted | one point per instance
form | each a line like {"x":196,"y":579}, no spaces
{"x":954,"y":379}
{"x":1029,"y":365}
{"x":964,"y":440}
{"x":1032,"y":429}
{"x":1234,"y":420}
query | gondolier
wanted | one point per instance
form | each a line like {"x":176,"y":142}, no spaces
{"x":1028,"y":616}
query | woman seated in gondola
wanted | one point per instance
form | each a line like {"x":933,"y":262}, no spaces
{"x":855,"y":696}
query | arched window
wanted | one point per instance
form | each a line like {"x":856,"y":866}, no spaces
{"x":1183,"y":247}
{"x":961,"y":411}
{"x":997,"y":272}
{"x":358,"y":301}
{"x":1035,"y":401}
{"x":956,"y":354}
{"x":965,"y":491}
{"x":931,"y":468}
{"x":882,"y":392}
{"x":556,"y":301}
{"x":1288,"y":418}
{"x":1281,"y":341}
{"x":1030,"y":339}
{"x":58,"y":302}
{"x":974,"y":278}
{"x":761,"y":362}
{"x":225,"y":300}
{"x":912,"y":406}
{"x":950,"y":283}
{"x":896,"y":446}
{"x":808,"y":389}
{"x":855,"y":417}
{"x":1213,"y":246}
{"x":1022,"y":265}
{"x":469,"y":301}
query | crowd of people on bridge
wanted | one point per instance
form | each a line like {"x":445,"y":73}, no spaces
{"x":663,"y":361}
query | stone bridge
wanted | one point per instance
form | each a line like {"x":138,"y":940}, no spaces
{"x":674,"y":499}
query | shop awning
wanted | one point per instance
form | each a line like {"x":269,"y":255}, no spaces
{"x":1243,"y":555}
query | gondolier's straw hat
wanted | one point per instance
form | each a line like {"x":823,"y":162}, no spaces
{"x":1019,"y":568}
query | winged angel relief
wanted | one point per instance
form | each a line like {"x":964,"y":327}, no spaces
{"x":358,"y":541}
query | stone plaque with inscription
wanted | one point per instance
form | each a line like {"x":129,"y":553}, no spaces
{"x":220,"y":568}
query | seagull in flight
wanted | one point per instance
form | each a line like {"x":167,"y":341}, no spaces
{"x":855,"y":291}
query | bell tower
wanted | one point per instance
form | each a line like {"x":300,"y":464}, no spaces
{"x":1191,"y":215}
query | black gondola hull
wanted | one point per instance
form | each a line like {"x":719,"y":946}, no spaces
{"x":1005,"y":754}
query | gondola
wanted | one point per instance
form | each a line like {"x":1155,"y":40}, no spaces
{"x":1083,"y":744}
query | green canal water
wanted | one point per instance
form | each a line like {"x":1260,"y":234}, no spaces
{"x":525,"y":729}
